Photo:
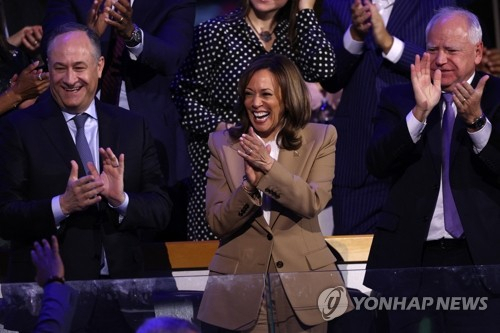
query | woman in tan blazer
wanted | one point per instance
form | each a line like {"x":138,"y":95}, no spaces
{"x":268,"y":179}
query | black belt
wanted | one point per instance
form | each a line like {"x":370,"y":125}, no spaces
{"x":446,"y":243}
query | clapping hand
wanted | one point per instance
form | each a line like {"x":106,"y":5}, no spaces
{"x":80,"y":192}
{"x":361,"y":20}
{"x":468,"y":100}
{"x":97,"y":16}
{"x":120,"y":18}
{"x":256,"y":154}
{"x":427,"y":90}
{"x":111,"y":176}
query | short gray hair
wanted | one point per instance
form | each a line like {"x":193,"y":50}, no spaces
{"x":475,"y":32}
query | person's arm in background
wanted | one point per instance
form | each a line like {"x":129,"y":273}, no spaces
{"x":63,"y":11}
{"x":190,"y":89}
{"x":29,"y":37}
{"x":336,"y":22}
{"x":24,"y":89}
{"x":58,"y":299}
{"x":347,"y":29}
{"x":315,"y":55}
{"x":490,"y":62}
{"x":165,"y":49}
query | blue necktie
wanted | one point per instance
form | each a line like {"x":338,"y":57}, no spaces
{"x":451,"y":219}
{"x":81,"y":142}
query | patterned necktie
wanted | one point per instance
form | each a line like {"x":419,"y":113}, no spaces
{"x":451,"y":219}
{"x":112,"y":78}
{"x":81,"y":142}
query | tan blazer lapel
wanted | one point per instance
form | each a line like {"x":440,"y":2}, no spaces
{"x":235,"y":165}
{"x":289,"y":159}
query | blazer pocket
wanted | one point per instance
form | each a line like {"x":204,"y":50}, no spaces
{"x":388,"y":221}
{"x":223,"y":265}
{"x":320,"y":258}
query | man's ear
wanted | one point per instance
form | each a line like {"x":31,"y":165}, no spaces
{"x":479,"y":53}
{"x":100,"y":65}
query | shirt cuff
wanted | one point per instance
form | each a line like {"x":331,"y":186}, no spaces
{"x":351,"y":45}
{"x":396,"y":51}
{"x":480,"y":138}
{"x":122,"y":209}
{"x":135,"y":52}
{"x":415,"y":127}
{"x":57,"y":211}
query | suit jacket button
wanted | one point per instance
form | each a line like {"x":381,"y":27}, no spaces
{"x":279,"y":264}
{"x":269,"y":236}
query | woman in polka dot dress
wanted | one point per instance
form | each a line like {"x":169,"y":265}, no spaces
{"x":205,"y":89}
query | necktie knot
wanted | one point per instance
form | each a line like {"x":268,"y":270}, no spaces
{"x":80,"y":120}
{"x":81,"y":142}
{"x":448,"y":98}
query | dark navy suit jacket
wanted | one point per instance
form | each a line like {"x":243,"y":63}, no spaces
{"x":36,"y":148}
{"x":415,"y":173}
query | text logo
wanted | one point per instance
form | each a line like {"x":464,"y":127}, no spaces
{"x":421,"y":303}
{"x":333,"y":302}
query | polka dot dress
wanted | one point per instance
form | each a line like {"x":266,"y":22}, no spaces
{"x":205,"y":89}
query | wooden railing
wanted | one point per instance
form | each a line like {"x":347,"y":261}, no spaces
{"x":197,"y":255}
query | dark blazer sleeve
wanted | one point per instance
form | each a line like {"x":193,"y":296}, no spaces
{"x":149,"y":205}
{"x":490,"y":104}
{"x":18,"y":209}
{"x":392,"y":146}
{"x":167,"y":45}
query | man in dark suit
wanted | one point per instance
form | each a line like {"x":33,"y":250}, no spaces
{"x":374,"y":47}
{"x":36,"y":150}
{"x":417,"y":227}
{"x":95,"y":207}
{"x":158,"y":35}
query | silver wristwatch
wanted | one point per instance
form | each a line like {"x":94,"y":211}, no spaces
{"x":135,"y":38}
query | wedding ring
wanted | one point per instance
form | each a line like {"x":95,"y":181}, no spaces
{"x":121,"y":19}
{"x":249,"y":151}
{"x":464,"y":100}
{"x":40,"y":77}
